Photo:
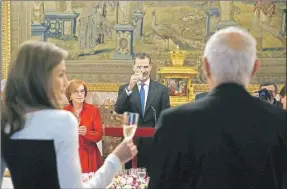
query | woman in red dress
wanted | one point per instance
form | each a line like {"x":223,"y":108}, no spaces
{"x":90,"y":126}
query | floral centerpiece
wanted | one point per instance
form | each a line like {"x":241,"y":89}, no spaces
{"x":127,"y":179}
{"x":130,"y":179}
{"x":128,"y":182}
{"x":87,"y":176}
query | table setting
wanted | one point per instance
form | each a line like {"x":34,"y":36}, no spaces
{"x":127,"y":179}
{"x":130,"y":179}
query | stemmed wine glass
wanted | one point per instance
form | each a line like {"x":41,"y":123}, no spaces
{"x":139,"y":74}
{"x":133,"y":172}
{"x":130,"y":124}
{"x":141,"y":172}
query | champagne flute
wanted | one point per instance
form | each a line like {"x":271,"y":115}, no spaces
{"x":133,"y":172}
{"x":130,"y":124}
{"x":139,"y":73}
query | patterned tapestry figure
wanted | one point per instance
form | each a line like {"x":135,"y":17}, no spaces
{"x":93,"y":26}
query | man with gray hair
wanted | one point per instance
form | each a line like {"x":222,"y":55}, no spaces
{"x":228,"y":139}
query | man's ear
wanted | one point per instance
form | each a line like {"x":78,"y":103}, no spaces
{"x":206,"y":68}
{"x":256,"y":67}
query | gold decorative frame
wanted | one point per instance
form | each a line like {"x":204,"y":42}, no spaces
{"x":178,"y":100}
{"x":114,"y":87}
{"x":6,"y":36}
{"x":205,"y":88}
{"x":181,"y":73}
{"x":104,"y":87}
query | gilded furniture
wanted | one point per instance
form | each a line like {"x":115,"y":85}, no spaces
{"x":178,"y":79}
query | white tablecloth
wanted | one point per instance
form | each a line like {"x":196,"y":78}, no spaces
{"x":7,"y":183}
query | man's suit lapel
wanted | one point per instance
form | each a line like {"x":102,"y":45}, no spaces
{"x":151,"y":95}
{"x":136,"y":96}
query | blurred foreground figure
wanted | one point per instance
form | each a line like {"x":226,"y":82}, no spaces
{"x":228,"y":139}
{"x":39,"y":141}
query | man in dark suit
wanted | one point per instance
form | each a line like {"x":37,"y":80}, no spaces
{"x":228,"y":139}
{"x":200,"y":95}
{"x":146,"y":97}
{"x":273,"y":89}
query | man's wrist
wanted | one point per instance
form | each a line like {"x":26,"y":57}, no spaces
{"x":128,"y":92}
{"x":128,"y":88}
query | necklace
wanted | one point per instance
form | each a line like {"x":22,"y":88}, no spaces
{"x":77,"y":114}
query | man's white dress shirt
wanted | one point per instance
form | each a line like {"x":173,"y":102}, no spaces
{"x":146,"y":88}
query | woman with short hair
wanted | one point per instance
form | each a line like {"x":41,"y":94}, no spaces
{"x":90,"y":125}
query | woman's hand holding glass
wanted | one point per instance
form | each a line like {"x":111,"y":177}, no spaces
{"x":82,"y":130}
{"x":126,"y":151}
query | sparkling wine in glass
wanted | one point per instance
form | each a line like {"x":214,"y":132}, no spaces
{"x":130,"y":124}
{"x":139,"y":74}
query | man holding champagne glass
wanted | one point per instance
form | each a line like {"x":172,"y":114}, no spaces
{"x":145,"y":97}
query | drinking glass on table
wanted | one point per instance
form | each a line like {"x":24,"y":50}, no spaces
{"x":141,"y":172}
{"x":130,"y":124}
{"x":122,"y":172}
{"x":133,"y":172}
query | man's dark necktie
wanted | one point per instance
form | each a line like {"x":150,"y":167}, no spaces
{"x":142,"y":95}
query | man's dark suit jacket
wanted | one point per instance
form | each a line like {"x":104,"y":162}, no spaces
{"x":201,"y":95}
{"x":157,"y":101}
{"x":227,"y":140}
